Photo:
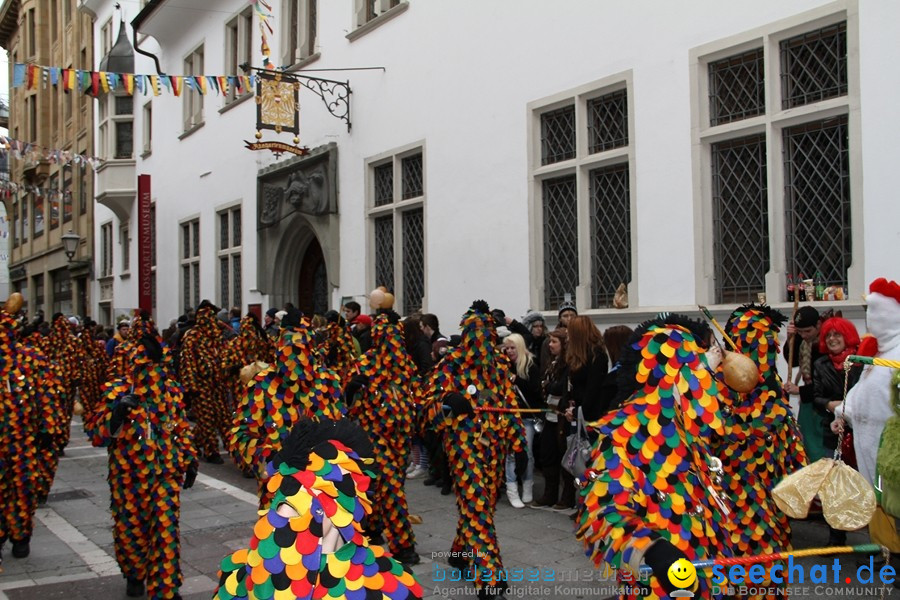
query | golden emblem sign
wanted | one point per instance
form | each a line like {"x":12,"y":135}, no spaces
{"x":277,"y":107}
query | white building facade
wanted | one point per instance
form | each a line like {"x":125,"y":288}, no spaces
{"x":513,"y":151}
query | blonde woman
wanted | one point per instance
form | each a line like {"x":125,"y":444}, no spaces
{"x":525,"y":374}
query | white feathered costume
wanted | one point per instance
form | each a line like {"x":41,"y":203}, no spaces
{"x":868,"y":404}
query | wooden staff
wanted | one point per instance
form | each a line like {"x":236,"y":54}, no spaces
{"x":712,"y":319}
{"x":790,"y":340}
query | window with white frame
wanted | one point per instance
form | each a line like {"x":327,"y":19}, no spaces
{"x":125,"y":247}
{"x":190,"y":264}
{"x":106,"y":37}
{"x":238,"y":48}
{"x":368,"y":10}
{"x":116,"y":126}
{"x":583,"y":165}
{"x":229,"y":254}
{"x":300,"y":30}
{"x":106,"y":250}
{"x":791,"y":127}
{"x":147,"y":127}
{"x":193,"y":100}
{"x":397,"y":225}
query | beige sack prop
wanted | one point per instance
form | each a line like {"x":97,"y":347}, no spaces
{"x":14,"y":303}
{"x":78,"y":408}
{"x":883,"y":530}
{"x":250,"y":371}
{"x":795,"y":493}
{"x":848,"y":501}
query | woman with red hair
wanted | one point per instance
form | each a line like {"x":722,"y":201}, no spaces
{"x":838,"y":339}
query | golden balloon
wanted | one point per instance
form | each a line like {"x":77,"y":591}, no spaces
{"x":376,"y":298}
{"x":388,"y":301}
{"x":741,"y":373}
{"x":14,"y":303}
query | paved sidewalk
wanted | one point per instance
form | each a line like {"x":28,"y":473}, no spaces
{"x":72,"y":555}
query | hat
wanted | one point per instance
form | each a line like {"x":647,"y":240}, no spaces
{"x":223,"y":315}
{"x":74,"y":321}
{"x":364,"y":319}
{"x":280,"y":314}
{"x":440,"y":347}
{"x":272,"y":312}
{"x":567,"y":305}
{"x":291,"y":318}
{"x":123,"y":322}
{"x":532,"y":317}
{"x":503,"y":332}
{"x":807,"y":316}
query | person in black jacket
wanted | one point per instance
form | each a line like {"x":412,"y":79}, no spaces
{"x":553,"y":438}
{"x":588,"y":365}
{"x":614,"y":338}
{"x":805,"y":332}
{"x":525,"y":374}
{"x":837,"y":340}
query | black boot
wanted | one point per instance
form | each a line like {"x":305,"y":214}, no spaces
{"x":407,"y":556}
{"x":215,"y":459}
{"x":446,"y":488}
{"x":134,"y":588}
{"x":21,"y":548}
{"x":457,"y":562}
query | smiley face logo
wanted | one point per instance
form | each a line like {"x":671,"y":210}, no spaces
{"x":682,"y":574}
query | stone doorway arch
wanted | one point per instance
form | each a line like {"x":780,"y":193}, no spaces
{"x":312,"y":284}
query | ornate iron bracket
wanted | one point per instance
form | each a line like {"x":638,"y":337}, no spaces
{"x":335,"y":94}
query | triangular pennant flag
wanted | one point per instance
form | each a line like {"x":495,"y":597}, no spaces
{"x":95,"y":82}
{"x":54,"y":76}
{"x":200,"y":84}
{"x":213,"y":82}
{"x":104,"y":82}
{"x":128,"y":82}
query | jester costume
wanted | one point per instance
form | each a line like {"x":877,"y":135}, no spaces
{"x":143,"y":425}
{"x":310,"y":542}
{"x":651,"y":491}
{"x":204,"y":380}
{"x":476,"y":443}
{"x":294,"y":386}
{"x":761,"y":442}
{"x":250,"y":345}
{"x":30,"y":423}
{"x":93,"y":374}
{"x":384,"y":377}
{"x":64,"y":351}
{"x":338,"y":347}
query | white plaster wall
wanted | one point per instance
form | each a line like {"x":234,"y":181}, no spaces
{"x":459,"y":76}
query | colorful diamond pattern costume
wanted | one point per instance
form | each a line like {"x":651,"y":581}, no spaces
{"x":294,"y":386}
{"x":477,"y":445}
{"x":650,"y":477}
{"x":148,"y":456}
{"x":316,"y":549}
{"x":385,"y":410}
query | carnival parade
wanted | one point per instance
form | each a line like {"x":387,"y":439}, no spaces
{"x":685,"y":454}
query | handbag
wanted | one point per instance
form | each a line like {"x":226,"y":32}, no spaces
{"x":578,"y":450}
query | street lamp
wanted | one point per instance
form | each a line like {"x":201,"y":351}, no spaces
{"x":70,"y":241}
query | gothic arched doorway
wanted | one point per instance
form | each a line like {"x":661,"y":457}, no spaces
{"x":312,"y":286}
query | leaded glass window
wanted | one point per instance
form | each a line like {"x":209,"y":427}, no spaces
{"x":814,"y":66}
{"x":558,"y":135}
{"x":413,"y":260}
{"x":608,"y":122}
{"x":817,"y":199}
{"x":384,"y":251}
{"x":737,"y":87}
{"x":740,"y":219}
{"x":412,"y":176}
{"x":610,"y":232}
{"x":560,"y":240}
{"x":384,"y":184}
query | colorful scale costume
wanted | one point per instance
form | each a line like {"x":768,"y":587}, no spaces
{"x":30,"y":422}
{"x":93,"y":373}
{"x":384,"y":409}
{"x":762,"y":443}
{"x":149,"y":452}
{"x":251,"y":345}
{"x":64,"y":351}
{"x":202,"y":376}
{"x":338,"y":349}
{"x":476,"y":445}
{"x":293,"y":387}
{"x":310,"y":542}
{"x":650,"y":476}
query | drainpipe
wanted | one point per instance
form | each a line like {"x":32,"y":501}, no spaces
{"x":135,"y":25}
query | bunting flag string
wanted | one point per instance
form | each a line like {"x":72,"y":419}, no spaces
{"x":8,"y":188}
{"x":31,"y":76}
{"x":261,"y":6}
{"x":24,"y":150}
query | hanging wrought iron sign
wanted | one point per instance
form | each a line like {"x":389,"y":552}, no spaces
{"x":278,"y":106}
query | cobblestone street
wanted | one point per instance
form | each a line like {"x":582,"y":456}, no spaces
{"x":72,"y":554}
